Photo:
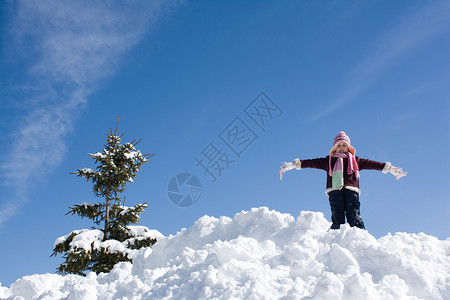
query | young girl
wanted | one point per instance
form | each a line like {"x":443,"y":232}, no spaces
{"x":342,"y":167}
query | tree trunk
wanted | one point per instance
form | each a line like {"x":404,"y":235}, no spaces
{"x":105,"y":233}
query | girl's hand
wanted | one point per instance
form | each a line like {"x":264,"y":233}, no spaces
{"x":397,"y":172}
{"x":286,"y":166}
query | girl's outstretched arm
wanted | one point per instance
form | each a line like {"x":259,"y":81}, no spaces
{"x":387,"y":167}
{"x":316,"y":163}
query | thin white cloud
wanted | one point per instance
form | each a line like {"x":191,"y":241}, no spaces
{"x":68,"y":48}
{"x":412,"y":31}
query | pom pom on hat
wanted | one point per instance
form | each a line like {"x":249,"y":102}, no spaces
{"x":342,"y":137}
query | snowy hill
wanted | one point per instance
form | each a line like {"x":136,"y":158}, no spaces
{"x":262,"y":254}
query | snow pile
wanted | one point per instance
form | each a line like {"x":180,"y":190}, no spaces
{"x":262,"y":254}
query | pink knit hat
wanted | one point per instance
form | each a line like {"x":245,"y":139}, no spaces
{"x":342,"y":137}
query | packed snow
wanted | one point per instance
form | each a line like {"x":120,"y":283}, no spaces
{"x":263,"y":254}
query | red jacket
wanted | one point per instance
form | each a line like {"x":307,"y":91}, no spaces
{"x":350,"y":180}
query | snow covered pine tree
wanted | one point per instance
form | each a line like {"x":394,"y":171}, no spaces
{"x":98,"y":249}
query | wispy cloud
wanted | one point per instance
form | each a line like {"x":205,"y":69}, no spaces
{"x":410,"y":32}
{"x":67,"y":47}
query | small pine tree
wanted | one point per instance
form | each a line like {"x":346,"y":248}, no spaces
{"x":100,"y":249}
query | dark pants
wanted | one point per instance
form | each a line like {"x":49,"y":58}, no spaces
{"x":345,"y":203}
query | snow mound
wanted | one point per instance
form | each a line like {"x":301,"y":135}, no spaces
{"x":263,"y":254}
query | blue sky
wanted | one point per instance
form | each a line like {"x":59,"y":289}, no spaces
{"x":180,"y":74}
